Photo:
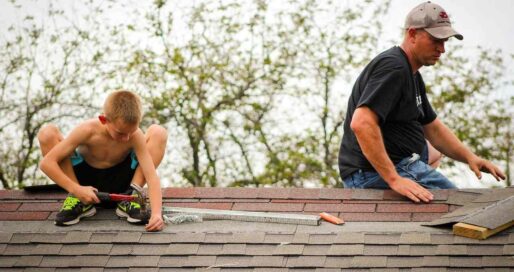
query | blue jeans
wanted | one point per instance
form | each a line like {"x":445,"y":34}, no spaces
{"x":413,"y":167}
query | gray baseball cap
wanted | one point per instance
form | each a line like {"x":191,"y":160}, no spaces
{"x":432,"y":18}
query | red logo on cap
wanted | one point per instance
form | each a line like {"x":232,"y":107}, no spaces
{"x":443,"y":15}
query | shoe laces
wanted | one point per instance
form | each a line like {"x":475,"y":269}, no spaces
{"x":70,"y":202}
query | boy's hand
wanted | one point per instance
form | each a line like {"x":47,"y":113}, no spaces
{"x":86,"y":194}
{"x":155,"y":223}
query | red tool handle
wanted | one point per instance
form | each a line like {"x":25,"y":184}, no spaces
{"x":114,"y":197}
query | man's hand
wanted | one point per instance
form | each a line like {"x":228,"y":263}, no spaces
{"x":86,"y":194}
{"x":155,"y":223}
{"x":477,"y":164}
{"x":411,"y":189}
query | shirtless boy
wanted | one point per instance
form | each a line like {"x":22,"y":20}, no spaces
{"x":106,"y":154}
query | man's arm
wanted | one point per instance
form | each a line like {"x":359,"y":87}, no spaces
{"x":367,"y":131}
{"x":445,"y":141}
{"x":63,"y":150}
{"x":154,"y":184}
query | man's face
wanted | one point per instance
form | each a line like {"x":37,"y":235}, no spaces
{"x":121,"y":131}
{"x":427,"y":48}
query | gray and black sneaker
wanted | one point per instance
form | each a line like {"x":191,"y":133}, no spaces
{"x":72,"y":210}
{"x":132,"y":211}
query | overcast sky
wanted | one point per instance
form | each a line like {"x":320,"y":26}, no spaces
{"x":486,"y":23}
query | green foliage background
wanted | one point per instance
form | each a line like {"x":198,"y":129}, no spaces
{"x":253,"y":93}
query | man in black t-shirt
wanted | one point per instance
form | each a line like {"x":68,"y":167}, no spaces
{"x":389,"y":116}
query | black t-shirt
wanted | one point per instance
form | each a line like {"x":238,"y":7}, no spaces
{"x":389,"y":88}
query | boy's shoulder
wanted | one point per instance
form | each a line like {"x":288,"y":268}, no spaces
{"x":89,"y":127}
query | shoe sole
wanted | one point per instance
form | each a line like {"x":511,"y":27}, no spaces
{"x":89,"y":213}
{"x":123,"y":214}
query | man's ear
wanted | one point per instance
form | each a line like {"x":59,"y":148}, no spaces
{"x":102,"y":119}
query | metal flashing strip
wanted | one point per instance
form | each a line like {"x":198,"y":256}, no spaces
{"x":285,"y":218}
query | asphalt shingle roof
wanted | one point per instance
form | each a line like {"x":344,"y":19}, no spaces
{"x":383,"y":232}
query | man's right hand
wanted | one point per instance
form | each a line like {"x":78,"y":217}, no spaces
{"x":411,"y":189}
{"x":86,"y":194}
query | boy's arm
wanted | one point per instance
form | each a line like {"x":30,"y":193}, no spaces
{"x":153,"y":181}
{"x":63,"y":150}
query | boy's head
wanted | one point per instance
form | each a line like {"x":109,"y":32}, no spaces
{"x":123,"y":106}
{"x":122,"y":114}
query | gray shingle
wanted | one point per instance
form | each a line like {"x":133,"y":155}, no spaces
{"x":56,"y":261}
{"x":18,"y":250}
{"x":341,"y":250}
{"x":268,"y":261}
{"x":46,"y":249}
{"x":217,"y":237}
{"x":422,"y":250}
{"x":440,"y":261}
{"x":121,"y":250}
{"x":391,"y":239}
{"x":340,"y":262}
{"x":155,"y":238}
{"x":415,"y":238}
{"x":233,"y":249}
{"x":278,"y":238}
{"x":86,"y":249}
{"x":200,"y":261}
{"x":143,"y":269}
{"x":187,"y":237}
{"x":461,"y":198}
{"x":369,"y":261}
{"x":238,"y":238}
{"x":322,"y":239}
{"x":498,"y":261}
{"x":209,"y":249}
{"x":133,"y":261}
{"x":441,"y":238}
{"x":21,"y":238}
{"x":349,"y":238}
{"x":508,"y":250}
{"x":145,"y":250}
{"x":404,"y":261}
{"x":288,"y":250}
{"x":102,"y":237}
{"x":89,"y":261}
{"x":77,"y":237}
{"x":172,"y":261}
{"x":465,"y":261}
{"x":451,"y":250}
{"x":316,"y":250}
{"x":380,"y":250}
{"x":5,"y":237}
{"x":306,"y":261}
{"x":50,"y":238}
{"x":479,"y":250}
{"x":39,"y":269}
{"x":8,"y":261}
{"x":259,"y":250}
{"x":181,"y":249}
{"x":127,"y":237}
{"x":28,"y":261}
{"x":301,"y":238}
{"x":498,"y":239}
{"x":233,"y":261}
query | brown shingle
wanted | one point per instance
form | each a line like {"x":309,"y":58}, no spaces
{"x":451,"y":250}
{"x":86,"y":249}
{"x":259,"y":250}
{"x":89,"y":261}
{"x":316,"y":250}
{"x":145,"y":250}
{"x":465,"y":261}
{"x":278,"y":238}
{"x":391,"y":239}
{"x":440,"y":261}
{"x":56,"y":261}
{"x":380,"y":250}
{"x":8,"y":261}
{"x":268,"y":261}
{"x":257,"y":237}
{"x":200,"y":261}
{"x":415,"y":238}
{"x":172,"y":261}
{"x":77,"y":237}
{"x":498,"y":261}
{"x":339,"y":262}
{"x":50,"y":238}
{"x":46,"y":249}
{"x":18,"y":250}
{"x":233,"y":261}
{"x":349,"y":238}
{"x":121,"y":250}
{"x":209,"y":249}
{"x":185,"y":237}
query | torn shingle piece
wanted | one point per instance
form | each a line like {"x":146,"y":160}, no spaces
{"x":493,"y":216}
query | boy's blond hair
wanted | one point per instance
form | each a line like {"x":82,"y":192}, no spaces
{"x":124,"y":105}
